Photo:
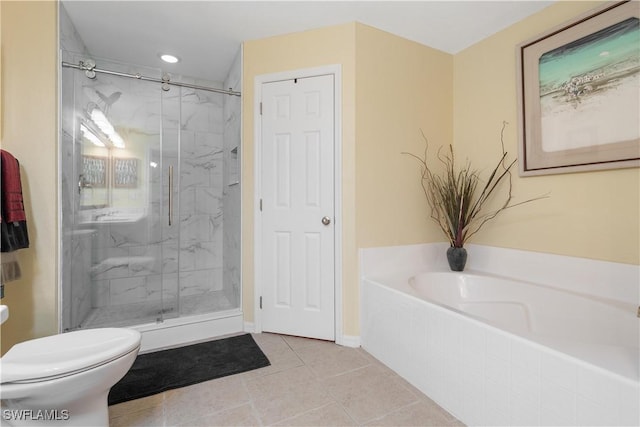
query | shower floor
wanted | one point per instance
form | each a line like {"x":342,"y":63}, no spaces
{"x":149,"y":311}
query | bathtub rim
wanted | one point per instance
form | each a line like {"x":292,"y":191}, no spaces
{"x":623,"y":305}
{"x":561,"y":270}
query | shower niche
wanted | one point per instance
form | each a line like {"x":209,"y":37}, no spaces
{"x":149,"y":223}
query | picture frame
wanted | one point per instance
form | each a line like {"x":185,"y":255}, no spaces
{"x":94,"y":171}
{"x":578,"y":97}
{"x":125,"y":172}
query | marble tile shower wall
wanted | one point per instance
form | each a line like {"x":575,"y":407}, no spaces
{"x":73,"y":244}
{"x":147,"y":262}
{"x":201,"y":184}
{"x":127,"y":257}
{"x":231,"y":184}
{"x":110,"y":264}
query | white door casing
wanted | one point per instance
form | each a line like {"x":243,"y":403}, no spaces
{"x":297,"y":270}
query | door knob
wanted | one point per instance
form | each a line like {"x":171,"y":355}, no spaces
{"x":326,"y":220}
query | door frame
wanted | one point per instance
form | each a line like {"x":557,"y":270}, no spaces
{"x":336,"y":71}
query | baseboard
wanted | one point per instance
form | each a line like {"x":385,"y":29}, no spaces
{"x":249,"y":327}
{"x":349,"y":341}
{"x":344,"y":340}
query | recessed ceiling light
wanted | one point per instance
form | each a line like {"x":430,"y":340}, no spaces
{"x":169,"y":58}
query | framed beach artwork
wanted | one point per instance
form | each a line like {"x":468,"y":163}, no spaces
{"x":579,"y":94}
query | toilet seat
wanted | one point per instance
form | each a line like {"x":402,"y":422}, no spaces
{"x":66,"y":354}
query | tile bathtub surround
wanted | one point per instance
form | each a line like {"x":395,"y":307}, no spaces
{"x":484,"y":375}
{"x":309,"y":382}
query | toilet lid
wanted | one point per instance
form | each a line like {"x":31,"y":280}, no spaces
{"x":65,"y":354}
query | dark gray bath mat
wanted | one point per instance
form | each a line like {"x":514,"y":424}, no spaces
{"x":164,"y":370}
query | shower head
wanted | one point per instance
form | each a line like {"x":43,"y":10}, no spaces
{"x":108,"y":100}
{"x":88,"y":65}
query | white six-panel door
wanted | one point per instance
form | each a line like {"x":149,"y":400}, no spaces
{"x":298,"y":207}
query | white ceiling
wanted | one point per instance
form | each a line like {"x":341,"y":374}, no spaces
{"x":206,"y":35}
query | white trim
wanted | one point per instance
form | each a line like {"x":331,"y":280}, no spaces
{"x":257,"y":191}
{"x":188,"y":330}
{"x":60,"y":236}
{"x":240,"y":175}
{"x":336,"y":71}
{"x":350,"y":341}
{"x":249,"y":327}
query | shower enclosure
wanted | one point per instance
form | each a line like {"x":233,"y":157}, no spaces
{"x":149,"y":198}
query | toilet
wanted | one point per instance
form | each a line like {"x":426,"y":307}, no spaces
{"x":65,"y":379}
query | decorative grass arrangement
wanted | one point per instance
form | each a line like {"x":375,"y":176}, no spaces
{"x":457,"y":197}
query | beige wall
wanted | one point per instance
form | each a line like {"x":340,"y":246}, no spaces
{"x":592,"y":215}
{"x":402,"y":88}
{"x":29,"y":117}
{"x":391,"y":89}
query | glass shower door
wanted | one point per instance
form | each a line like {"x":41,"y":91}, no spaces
{"x":120,"y":253}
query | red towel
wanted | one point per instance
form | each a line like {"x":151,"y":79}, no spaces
{"x":11,"y":189}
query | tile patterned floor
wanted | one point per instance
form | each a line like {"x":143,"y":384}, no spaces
{"x":309,"y":383}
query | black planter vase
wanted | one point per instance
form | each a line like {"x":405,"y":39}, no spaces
{"x":457,"y":258}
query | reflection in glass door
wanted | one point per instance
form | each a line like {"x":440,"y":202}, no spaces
{"x":120,"y":234}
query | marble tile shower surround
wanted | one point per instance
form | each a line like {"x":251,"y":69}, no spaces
{"x":71,"y":244}
{"x":89,"y":263}
{"x":201,"y":191}
{"x":133,"y":256}
{"x":125,"y":261}
{"x":146,"y":260}
{"x":231,"y":213}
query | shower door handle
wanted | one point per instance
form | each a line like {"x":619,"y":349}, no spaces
{"x":170,"y":194}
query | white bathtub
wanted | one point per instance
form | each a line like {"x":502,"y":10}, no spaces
{"x":594,"y":329}
{"x":495,"y":350}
